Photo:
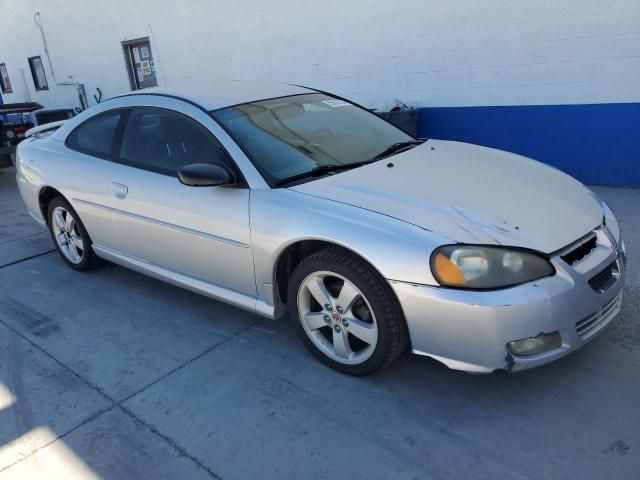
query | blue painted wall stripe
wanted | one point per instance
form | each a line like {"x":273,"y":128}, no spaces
{"x":2,"y":117}
{"x":597,"y":143}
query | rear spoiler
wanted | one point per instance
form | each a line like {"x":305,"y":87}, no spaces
{"x":44,"y":128}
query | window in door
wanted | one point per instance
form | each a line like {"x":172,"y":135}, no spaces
{"x":37,"y":73}
{"x":95,"y":136}
{"x":164,"y":141}
{"x":140,"y":65}
{"x":5,"y":83}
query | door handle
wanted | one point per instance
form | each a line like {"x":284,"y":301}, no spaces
{"x":119,"y":190}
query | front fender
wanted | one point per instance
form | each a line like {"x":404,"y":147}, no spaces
{"x":281,"y":217}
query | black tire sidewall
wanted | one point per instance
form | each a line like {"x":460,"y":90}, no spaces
{"x":378,"y":294}
{"x":88,"y":258}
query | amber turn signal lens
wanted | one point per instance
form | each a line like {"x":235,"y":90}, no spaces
{"x":447,"y":272}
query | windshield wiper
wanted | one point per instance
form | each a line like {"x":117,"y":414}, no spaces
{"x":397,"y":147}
{"x":324,"y":169}
{"x":321,"y":170}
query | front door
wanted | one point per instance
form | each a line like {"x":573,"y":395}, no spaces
{"x":202,"y":232}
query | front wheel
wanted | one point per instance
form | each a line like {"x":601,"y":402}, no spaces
{"x":345,"y":313}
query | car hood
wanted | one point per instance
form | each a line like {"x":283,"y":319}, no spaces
{"x":470,"y":194}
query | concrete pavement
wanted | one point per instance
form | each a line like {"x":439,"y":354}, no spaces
{"x":110,"y":374}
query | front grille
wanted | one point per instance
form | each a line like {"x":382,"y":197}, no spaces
{"x":604,"y":280}
{"x":581,"y":251}
{"x":597,"y":320}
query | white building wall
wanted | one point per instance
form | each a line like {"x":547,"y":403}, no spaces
{"x":422,"y":52}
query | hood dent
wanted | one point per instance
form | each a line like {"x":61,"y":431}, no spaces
{"x":470,"y":194}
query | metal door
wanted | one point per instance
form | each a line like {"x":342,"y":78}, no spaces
{"x":140,"y":65}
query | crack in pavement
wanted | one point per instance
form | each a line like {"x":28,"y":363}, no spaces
{"x":10,"y":264}
{"x":115,"y":404}
{"x":190,"y":361}
{"x":91,"y":418}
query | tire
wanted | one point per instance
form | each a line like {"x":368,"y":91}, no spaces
{"x":73,"y":232}
{"x":363,"y":330}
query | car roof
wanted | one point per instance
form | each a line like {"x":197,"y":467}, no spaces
{"x":211,"y":95}
{"x":216,"y":94}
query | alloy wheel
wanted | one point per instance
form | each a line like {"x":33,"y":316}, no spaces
{"x":337,"y":317}
{"x":67,"y":235}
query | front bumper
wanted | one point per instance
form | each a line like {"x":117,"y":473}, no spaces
{"x":469,"y":330}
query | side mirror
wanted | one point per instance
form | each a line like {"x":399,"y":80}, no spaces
{"x":205,"y":175}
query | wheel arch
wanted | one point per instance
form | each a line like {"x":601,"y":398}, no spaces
{"x":45,"y":195}
{"x":290,"y":256}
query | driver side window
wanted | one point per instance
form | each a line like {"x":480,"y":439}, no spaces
{"x":164,"y":141}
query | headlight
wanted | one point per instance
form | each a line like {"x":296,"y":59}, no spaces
{"x":480,"y":267}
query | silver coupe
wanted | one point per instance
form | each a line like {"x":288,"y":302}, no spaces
{"x":282,"y":199}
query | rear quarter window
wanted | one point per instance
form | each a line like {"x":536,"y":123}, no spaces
{"x":96,"y":135}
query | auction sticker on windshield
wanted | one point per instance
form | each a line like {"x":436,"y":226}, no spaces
{"x":336,"y":103}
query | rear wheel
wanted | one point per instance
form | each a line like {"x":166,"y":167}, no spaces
{"x":69,"y":235}
{"x":345,"y":313}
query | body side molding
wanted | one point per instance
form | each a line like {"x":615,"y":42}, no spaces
{"x":164,"y":224}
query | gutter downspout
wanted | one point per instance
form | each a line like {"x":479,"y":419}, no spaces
{"x":82,"y":95}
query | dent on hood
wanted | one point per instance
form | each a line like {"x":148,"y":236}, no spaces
{"x":492,"y":227}
{"x":472,"y":223}
{"x":448,"y":191}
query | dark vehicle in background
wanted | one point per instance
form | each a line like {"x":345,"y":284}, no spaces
{"x":12,"y":132}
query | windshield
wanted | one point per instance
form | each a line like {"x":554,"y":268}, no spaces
{"x":290,"y":136}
